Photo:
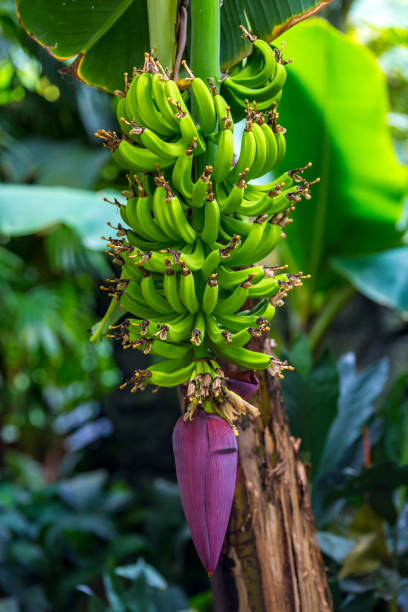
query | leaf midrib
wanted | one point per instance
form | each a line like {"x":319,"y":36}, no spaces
{"x":123,"y":6}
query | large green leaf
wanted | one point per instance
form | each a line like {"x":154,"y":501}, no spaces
{"x":380,"y":276}
{"x":26,"y":209}
{"x":358,"y":392}
{"x":334,"y":108}
{"x":109,"y":37}
{"x":356,"y":405}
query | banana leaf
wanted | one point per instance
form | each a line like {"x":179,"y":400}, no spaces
{"x":106,"y":38}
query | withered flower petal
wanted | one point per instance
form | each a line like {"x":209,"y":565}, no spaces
{"x":244,"y":384}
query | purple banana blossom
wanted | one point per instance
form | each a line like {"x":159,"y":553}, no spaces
{"x":206,"y":455}
{"x":244,"y":383}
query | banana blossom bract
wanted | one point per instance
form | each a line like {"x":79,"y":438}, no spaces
{"x":206,"y":454}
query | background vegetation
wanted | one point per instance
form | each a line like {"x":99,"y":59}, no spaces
{"x":90,"y":517}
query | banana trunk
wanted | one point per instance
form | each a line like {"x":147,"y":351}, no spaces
{"x":270,"y":561}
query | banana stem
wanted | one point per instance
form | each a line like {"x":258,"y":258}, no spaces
{"x":205,"y":53}
{"x":111,"y":315}
{"x":205,"y":38}
{"x":328,"y":314}
{"x":162,"y":20}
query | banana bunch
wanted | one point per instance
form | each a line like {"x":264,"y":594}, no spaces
{"x":261,"y":79}
{"x":193,"y":227}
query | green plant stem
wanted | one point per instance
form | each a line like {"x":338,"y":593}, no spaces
{"x":328,"y":314}
{"x":393,"y":606}
{"x":111,"y":315}
{"x":162,"y":18}
{"x":205,"y":38}
{"x":205,"y":53}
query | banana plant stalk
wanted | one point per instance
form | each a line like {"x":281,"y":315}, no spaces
{"x":195,"y":296}
{"x":271,"y":561}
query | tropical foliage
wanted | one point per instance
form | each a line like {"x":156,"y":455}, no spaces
{"x":90,"y":518}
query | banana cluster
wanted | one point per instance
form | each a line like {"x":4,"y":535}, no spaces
{"x":194,"y":229}
{"x":261,"y":79}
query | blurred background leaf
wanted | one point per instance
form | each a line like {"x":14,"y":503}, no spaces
{"x":333,"y":122}
{"x":26,"y":209}
{"x":380,"y":276}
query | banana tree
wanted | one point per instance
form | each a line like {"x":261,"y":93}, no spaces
{"x":190,"y":289}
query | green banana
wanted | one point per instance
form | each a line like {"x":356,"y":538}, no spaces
{"x":130,"y":271}
{"x":187,"y":289}
{"x":131,"y":215}
{"x":152,"y":261}
{"x":160,"y":98}
{"x":188,"y":128}
{"x":209,"y":232}
{"x":210,"y":295}
{"x":137,"y":308}
{"x":146,"y":221}
{"x":242,"y":357}
{"x":131,"y":105}
{"x":235,"y":300}
{"x":233,"y":225}
{"x":180,"y":224}
{"x":229,"y":279}
{"x":211,"y":263}
{"x":232,"y":201}
{"x":200,"y":188}
{"x":281,"y":146}
{"x":150,"y":116}
{"x":247,"y":153}
{"x":265,"y":288}
{"x":181,"y":330}
{"x":170,"y":289}
{"x":138,"y":159}
{"x":271,"y":147}
{"x":191,"y":255}
{"x":265,"y":204}
{"x":245,"y":254}
{"x":182,"y":171}
{"x":225,"y":153}
{"x":261,"y":94}
{"x":239,"y":105}
{"x":158,"y":146}
{"x":203,"y":102}
{"x":174,"y":97}
{"x":152,"y":295}
{"x":222,"y":109}
{"x":270,"y":239}
{"x":123,"y":119}
{"x":264,"y":52}
{"x":236,"y":322}
{"x":145,"y":245}
{"x":169,"y":350}
{"x":161,"y":378}
{"x":160,"y":208}
{"x":214,"y":258}
{"x":198,"y":332}
{"x":220,"y":336}
{"x":260,"y":154}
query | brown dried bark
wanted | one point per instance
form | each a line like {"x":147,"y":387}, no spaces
{"x":270,"y":561}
